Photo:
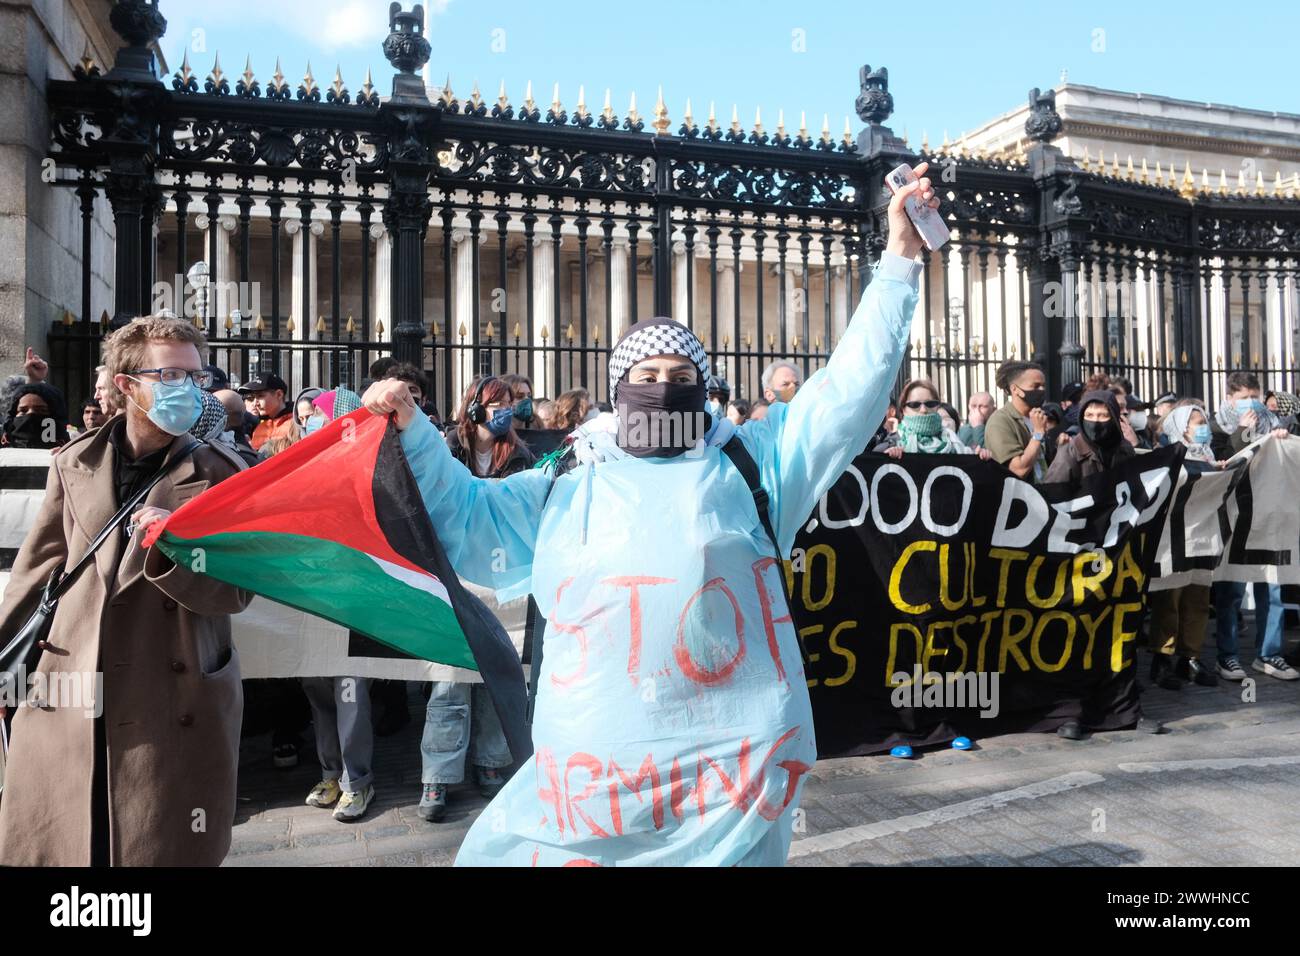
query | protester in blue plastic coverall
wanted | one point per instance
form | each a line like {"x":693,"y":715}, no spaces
{"x":672,"y":722}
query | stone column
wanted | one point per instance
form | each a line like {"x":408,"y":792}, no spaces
{"x":618,"y":288}
{"x":462,"y":332}
{"x":681,"y":276}
{"x":543,"y":370}
{"x":303,"y":319}
{"x":838,"y":275}
{"x":381,"y":294}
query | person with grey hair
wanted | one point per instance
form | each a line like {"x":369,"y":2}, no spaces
{"x":780,"y":381}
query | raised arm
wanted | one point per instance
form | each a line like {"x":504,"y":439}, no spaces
{"x":488,"y":527}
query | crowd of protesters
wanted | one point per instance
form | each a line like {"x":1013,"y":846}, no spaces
{"x":494,"y":432}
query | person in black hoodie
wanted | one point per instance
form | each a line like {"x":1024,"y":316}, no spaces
{"x":1099,"y":445}
{"x":460,"y":723}
{"x":38,"y":418}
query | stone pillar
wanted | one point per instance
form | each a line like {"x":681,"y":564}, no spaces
{"x":223,"y":283}
{"x":618,"y":289}
{"x":681,"y":276}
{"x":381,"y":295}
{"x":838,"y":276}
{"x":462,"y":332}
{"x":303,"y":300}
{"x":543,"y":370}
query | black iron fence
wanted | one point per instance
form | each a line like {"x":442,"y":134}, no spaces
{"x":465,"y":236}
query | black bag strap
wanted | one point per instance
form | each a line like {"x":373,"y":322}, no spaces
{"x":66,"y":581}
{"x":740,"y":457}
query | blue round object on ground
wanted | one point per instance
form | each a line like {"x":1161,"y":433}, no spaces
{"x":902,"y":750}
{"x":961,"y":743}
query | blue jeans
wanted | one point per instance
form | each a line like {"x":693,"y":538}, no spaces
{"x":460,"y":720}
{"x":1268,"y":617}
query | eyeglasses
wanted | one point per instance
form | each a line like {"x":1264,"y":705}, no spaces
{"x":928,"y":406}
{"x":175,"y":377}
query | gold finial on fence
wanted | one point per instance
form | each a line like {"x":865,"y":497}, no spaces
{"x":818,"y":343}
{"x":713,"y":118}
{"x":1012,"y":353}
{"x":462,"y":331}
{"x":259,"y":326}
{"x":943,"y":147}
{"x":529,"y":103}
{"x":726,"y":340}
{"x":570,"y":332}
{"x":661,"y":115}
{"x":1187,"y":189}
{"x":555,"y":100}
{"x":1114,"y":353}
{"x":519,"y":330}
{"x":277,"y":78}
{"x":490,"y":331}
{"x":1160,"y":176}
{"x":1259,"y":183}
{"x":735,"y":120}
{"x":758,"y":121}
{"x":1184,"y":356}
{"x":1114,"y":169}
{"x":1241,"y":182}
{"x":67,"y":317}
{"x":1257,"y":360}
{"x":607,"y":114}
{"x":379,"y":327}
{"x":87,"y":62}
{"x":367,"y":87}
{"x":546,"y":334}
{"x":795,"y":343}
{"x":687,"y":119}
{"x":1129,"y":174}
{"x":320,"y":325}
{"x":216,"y":74}
{"x":581,"y":109}
{"x":803,"y":127}
{"x":338,"y":88}
{"x":994,"y":350}
{"x":780,"y":124}
{"x":249,"y":77}
{"x":771,"y":340}
{"x":925,"y":141}
{"x":1223,"y":183}
{"x":198,"y":322}
{"x":749,"y":341}
{"x":1146,"y":174}
{"x":230,"y":324}
{"x":633,"y":117}
{"x":289,"y":326}
{"x":1277,"y":183}
{"x":433,"y":329}
{"x":826,"y":128}
{"x":595,"y":334}
{"x":1084,"y":163}
{"x":185,"y":71}
{"x":308,"y":81}
{"x":351,"y":326}
{"x":1205,"y":181}
{"x":918,"y":343}
{"x":848,"y":133}
{"x":502,"y":100}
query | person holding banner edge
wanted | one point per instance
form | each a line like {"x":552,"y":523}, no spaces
{"x":641,"y":687}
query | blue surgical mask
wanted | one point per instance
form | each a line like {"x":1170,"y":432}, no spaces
{"x":175,"y":407}
{"x":500,"y":421}
{"x":524,"y":409}
{"x":313,"y":424}
{"x":1201,"y":434}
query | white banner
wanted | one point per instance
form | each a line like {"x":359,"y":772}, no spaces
{"x":1239,"y":524}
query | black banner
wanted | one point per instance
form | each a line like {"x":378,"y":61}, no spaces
{"x":938,"y":595}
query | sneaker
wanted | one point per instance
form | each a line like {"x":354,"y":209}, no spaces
{"x":1189,"y":668}
{"x":1276,"y":667}
{"x":353,"y":805}
{"x":1163,"y":672}
{"x":284,"y":756}
{"x":433,"y":802}
{"x":490,"y":781}
{"x":1230,"y":668}
{"x":324,"y":794}
{"x":1071,"y":730}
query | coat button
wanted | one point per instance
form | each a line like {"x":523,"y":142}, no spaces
{"x":178,"y":666}
{"x":169,"y":605}
{"x":187,"y":720}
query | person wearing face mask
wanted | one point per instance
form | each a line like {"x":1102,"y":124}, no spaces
{"x":1139,"y":421}
{"x":1017,"y":432}
{"x":460,"y":722}
{"x":719,"y":394}
{"x":780,"y":381}
{"x":669,"y":659}
{"x":521,"y":387}
{"x":1099,"y":446}
{"x":921,"y":428}
{"x":121,"y":789}
{"x":38,"y":418}
{"x":1179,"y":615}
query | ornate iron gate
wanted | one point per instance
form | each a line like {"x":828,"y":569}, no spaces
{"x":468,"y":235}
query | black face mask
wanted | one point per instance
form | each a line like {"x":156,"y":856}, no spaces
{"x":26,"y":431}
{"x":661,"y":419}
{"x":1101,"y":434}
{"x":1035,"y":398}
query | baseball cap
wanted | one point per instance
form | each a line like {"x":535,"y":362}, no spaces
{"x":264,"y":383}
{"x":220,"y":380}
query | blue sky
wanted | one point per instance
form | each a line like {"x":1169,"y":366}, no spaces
{"x":963,"y":64}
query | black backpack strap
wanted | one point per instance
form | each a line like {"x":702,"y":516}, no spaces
{"x":740,"y":457}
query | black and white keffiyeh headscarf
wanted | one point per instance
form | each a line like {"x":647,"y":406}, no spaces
{"x":650,"y":338}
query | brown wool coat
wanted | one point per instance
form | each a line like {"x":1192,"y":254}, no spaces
{"x":172,"y":701}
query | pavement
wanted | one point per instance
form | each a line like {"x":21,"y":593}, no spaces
{"x":1220,"y":787}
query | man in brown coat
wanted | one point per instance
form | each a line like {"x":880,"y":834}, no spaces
{"x":151,"y":780}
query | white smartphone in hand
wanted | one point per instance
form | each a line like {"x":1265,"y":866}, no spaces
{"x":929,"y":224}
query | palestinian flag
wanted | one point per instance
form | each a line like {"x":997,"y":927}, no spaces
{"x":335,"y":525}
